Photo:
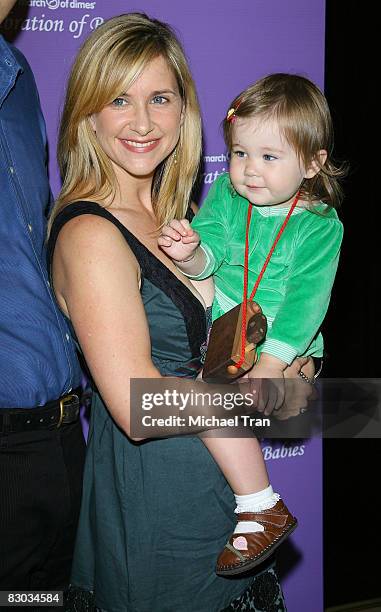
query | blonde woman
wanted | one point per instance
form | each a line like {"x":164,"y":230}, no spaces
{"x":154,"y":514}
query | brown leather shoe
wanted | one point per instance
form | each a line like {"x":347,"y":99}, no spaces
{"x":246,"y":550}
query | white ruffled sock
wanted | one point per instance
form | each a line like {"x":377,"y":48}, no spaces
{"x":254,"y":502}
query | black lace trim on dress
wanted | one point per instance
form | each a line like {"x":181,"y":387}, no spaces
{"x":263,"y":595}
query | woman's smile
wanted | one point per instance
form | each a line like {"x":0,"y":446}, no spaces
{"x":140,"y":146}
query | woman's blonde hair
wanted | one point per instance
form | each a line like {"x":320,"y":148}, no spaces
{"x":110,"y":60}
{"x":304,"y":119}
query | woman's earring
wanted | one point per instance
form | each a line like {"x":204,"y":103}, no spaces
{"x":175,"y":157}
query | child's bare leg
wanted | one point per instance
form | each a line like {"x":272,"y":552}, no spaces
{"x":241,"y":461}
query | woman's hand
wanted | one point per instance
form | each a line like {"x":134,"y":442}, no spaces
{"x":297,"y":391}
{"x":271,"y":395}
{"x":287,"y":394}
{"x":300,"y":364}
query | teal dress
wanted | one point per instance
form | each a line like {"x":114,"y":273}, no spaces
{"x":156,"y":514}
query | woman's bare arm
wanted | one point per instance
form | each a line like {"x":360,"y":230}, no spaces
{"x":96,"y":279}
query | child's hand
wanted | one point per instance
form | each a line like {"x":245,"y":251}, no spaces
{"x":178,"y":240}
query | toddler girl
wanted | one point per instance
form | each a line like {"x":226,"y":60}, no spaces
{"x":279,"y":134}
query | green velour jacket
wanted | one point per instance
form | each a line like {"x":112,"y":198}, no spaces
{"x":295,"y":290}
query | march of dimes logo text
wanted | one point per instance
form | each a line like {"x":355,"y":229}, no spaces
{"x":55,"y":4}
{"x":45,"y":22}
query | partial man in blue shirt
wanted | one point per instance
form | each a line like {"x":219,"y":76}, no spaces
{"x":41,"y":441}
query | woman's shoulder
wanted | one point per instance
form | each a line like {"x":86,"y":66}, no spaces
{"x":78,"y":218}
{"x":86,"y":227}
{"x":77,"y":208}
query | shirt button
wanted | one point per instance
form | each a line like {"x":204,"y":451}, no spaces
{"x":67,"y":337}
{"x":12,"y":170}
{"x":29,"y":227}
{"x":8,"y":62}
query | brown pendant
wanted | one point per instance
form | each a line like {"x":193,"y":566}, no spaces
{"x":225,"y":341}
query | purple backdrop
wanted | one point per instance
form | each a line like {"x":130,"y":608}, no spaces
{"x":229,"y":45}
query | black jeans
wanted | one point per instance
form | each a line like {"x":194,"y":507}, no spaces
{"x":40,"y":495}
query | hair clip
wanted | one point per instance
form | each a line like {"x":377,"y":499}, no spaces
{"x":231,"y":116}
